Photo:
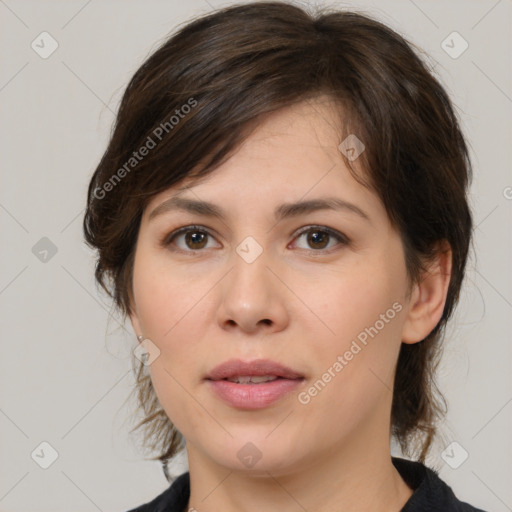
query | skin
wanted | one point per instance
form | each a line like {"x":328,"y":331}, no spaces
{"x":302,"y":302}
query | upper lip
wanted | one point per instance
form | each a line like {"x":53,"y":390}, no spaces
{"x":257,"y":367}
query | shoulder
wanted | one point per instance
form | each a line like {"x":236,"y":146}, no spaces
{"x":173,"y":499}
{"x":430,"y":492}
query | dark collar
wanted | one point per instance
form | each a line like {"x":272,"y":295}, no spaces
{"x":430,"y":493}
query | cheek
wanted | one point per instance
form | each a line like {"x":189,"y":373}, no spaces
{"x":347,"y":303}
{"x":364,"y":313}
{"x":354,"y":373}
{"x":172,"y":311}
{"x":165,"y":296}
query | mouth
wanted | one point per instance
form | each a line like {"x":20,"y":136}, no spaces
{"x":253,"y":379}
{"x":253,"y":385}
{"x":252,"y":372}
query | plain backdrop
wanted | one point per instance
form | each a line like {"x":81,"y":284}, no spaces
{"x":65,"y":369}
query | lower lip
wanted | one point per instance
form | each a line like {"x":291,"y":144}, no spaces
{"x":253,"y":396}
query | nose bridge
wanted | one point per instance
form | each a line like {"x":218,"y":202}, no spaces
{"x":249,"y":297}
{"x":250,"y":250}
{"x":250,"y":262}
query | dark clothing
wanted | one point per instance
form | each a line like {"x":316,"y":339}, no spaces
{"x":430,"y":494}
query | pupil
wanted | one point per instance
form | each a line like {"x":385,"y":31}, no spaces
{"x":195,"y":238}
{"x":316,"y":238}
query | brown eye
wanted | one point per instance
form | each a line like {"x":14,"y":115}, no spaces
{"x":188,"y":239}
{"x":195,"y":239}
{"x":320,"y":238}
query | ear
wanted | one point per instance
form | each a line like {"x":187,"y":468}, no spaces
{"x":428,"y":296}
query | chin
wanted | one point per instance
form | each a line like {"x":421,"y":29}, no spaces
{"x":257,"y":457}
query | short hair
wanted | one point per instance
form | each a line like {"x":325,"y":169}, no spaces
{"x":204,"y":90}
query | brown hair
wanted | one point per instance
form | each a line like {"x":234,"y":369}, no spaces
{"x":197,"y":97}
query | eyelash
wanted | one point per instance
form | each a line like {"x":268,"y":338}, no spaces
{"x":341,"y":238}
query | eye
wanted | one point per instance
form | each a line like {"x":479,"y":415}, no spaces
{"x":189,"y":238}
{"x":319,"y":238}
{"x":195,"y":238}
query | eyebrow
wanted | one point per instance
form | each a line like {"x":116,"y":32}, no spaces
{"x":283,"y":211}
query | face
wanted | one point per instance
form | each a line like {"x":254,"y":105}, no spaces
{"x":320,"y":289}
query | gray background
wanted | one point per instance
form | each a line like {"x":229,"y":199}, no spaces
{"x":65,"y":360}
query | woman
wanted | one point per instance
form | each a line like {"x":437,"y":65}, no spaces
{"x":282,"y":214}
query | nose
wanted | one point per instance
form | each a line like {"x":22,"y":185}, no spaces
{"x":253,"y":299}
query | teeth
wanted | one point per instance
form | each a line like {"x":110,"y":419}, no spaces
{"x":252,"y":379}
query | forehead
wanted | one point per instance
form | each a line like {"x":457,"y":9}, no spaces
{"x":315,"y":122}
{"x":289,"y":154}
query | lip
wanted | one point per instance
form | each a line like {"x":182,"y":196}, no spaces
{"x":253,"y":396}
{"x":257,"y":367}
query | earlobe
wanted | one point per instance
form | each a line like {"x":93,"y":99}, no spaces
{"x":428,"y":297}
